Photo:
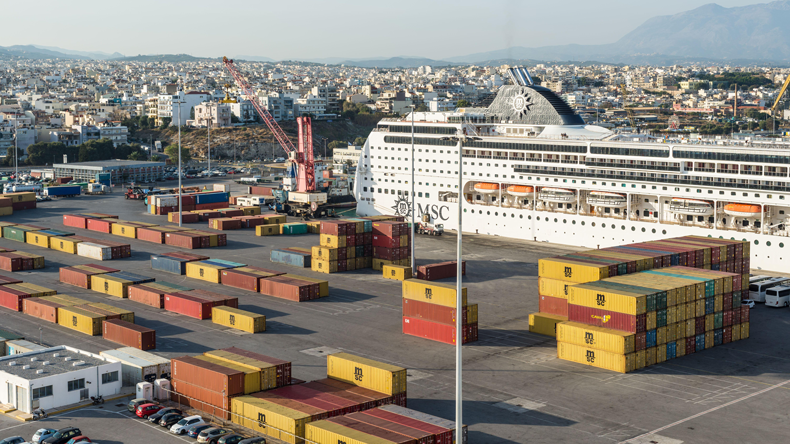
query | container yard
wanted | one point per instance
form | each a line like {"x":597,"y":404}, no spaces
{"x":528,"y":374}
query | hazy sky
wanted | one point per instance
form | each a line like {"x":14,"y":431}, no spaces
{"x":308,"y":29}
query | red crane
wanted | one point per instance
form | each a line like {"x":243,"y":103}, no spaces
{"x":302,"y":154}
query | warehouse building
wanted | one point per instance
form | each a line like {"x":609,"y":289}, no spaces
{"x":56,"y":377}
{"x":120,"y":170}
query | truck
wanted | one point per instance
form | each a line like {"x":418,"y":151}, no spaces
{"x":63,"y":191}
{"x":137,"y":193}
{"x":17,"y":188}
{"x":97,"y":188}
{"x":253,"y":201}
{"x":429,"y":228}
{"x":294,"y":203}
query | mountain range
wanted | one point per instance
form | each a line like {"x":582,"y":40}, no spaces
{"x":756,"y":33}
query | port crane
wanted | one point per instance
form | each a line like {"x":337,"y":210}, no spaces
{"x":302,"y":198}
{"x":779,"y":97}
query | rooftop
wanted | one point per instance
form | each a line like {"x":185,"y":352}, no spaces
{"x":52,"y":361}
{"x":108,"y":163}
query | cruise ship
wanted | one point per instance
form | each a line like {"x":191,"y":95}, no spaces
{"x":533,"y":169}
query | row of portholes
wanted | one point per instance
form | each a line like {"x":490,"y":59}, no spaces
{"x":756,"y":242}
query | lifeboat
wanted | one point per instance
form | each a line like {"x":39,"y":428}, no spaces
{"x":742,"y":210}
{"x":556,"y":195}
{"x":694,"y":207}
{"x":520,"y":190}
{"x":486,"y":187}
{"x":607,"y":199}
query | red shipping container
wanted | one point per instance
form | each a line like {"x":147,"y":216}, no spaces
{"x":367,"y":238}
{"x":12,"y":299}
{"x":389,"y":228}
{"x":384,"y":428}
{"x":188,"y":256}
{"x":151,"y":235}
{"x":438,"y":332}
{"x":441,"y":270}
{"x":216,"y":298}
{"x":727,"y":318}
{"x":147,"y":295}
{"x":13,"y":262}
{"x":283,"y":368}
{"x":100,"y":225}
{"x":187,"y":218}
{"x":334,"y":227}
{"x":211,"y":206}
{"x":207,"y":375}
{"x":232,"y":213}
{"x":5,"y":280}
{"x":367,"y":250}
{"x":744,"y":314}
{"x":225,"y":224}
{"x":342,"y":265}
{"x":691,"y":345}
{"x":736,"y":316}
{"x":75,"y":220}
{"x":188,"y":305}
{"x":286,"y":288}
{"x":241,"y":279}
{"x":726,"y":335}
{"x":607,"y":319}
{"x":433,"y":312}
{"x":183,"y":240}
{"x":699,"y":325}
{"x":260,"y":191}
{"x":389,"y":254}
{"x":351,"y":240}
{"x":129,"y":334}
{"x":552,"y":305}
{"x":727,"y":301}
{"x":198,"y":398}
{"x":207,"y":215}
{"x":359,"y":239}
{"x":222,"y":240}
{"x":640,"y":341}
{"x":441,"y":435}
{"x":41,"y":309}
{"x":24,"y":205}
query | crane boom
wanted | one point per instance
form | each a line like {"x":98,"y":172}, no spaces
{"x":274,"y":127}
{"x":781,"y":93}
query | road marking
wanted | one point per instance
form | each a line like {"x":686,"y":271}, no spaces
{"x":657,"y":439}
{"x":735,"y":401}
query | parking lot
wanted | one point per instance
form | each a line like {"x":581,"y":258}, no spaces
{"x":515,"y":388}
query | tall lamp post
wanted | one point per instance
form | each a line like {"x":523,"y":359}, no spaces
{"x":208,"y":126}
{"x":459,"y":411}
{"x":413,"y":196}
{"x":179,"y":157}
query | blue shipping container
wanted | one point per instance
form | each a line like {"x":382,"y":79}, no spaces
{"x":718,"y":336}
{"x":291,"y":258}
{"x":57,"y":232}
{"x":224,"y":263}
{"x":671,"y":350}
{"x":700,"y":342}
{"x":136,"y":278}
{"x":710,"y":305}
{"x":204,"y":198}
{"x":66,"y":190}
{"x":650,"y":338}
{"x":169,"y":264}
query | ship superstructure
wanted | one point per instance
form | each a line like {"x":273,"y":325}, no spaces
{"x":533,"y":169}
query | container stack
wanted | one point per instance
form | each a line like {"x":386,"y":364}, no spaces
{"x":558,"y":273}
{"x":442,"y":270}
{"x":354,"y":384}
{"x":208,"y":382}
{"x":80,"y":275}
{"x":74,"y":313}
{"x":345,"y":245}
{"x":197,"y":304}
{"x":117,"y":284}
{"x":10,"y":202}
{"x":208,"y":200}
{"x":153,"y":293}
{"x":391,"y":242}
{"x":430,"y":310}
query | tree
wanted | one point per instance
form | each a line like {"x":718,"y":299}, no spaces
{"x":421,"y":108}
{"x":172,"y":153}
{"x":234,"y":119}
{"x":192,"y":113}
{"x":143,"y":122}
{"x":463,"y":104}
{"x":337,"y":144}
{"x":156,"y":158}
{"x":360,"y":141}
{"x":137,"y":155}
{"x":165,"y":122}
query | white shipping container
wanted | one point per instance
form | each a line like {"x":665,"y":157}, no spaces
{"x":94,"y":251}
{"x":21,"y":346}
{"x":163,"y":363}
{"x":252,"y":201}
{"x":221,"y":187}
{"x":166,"y":201}
{"x":133,"y":368}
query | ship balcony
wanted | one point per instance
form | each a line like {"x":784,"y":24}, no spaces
{"x":500,"y":157}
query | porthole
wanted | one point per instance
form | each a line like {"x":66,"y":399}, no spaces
{"x":654,"y":231}
{"x":513,"y":216}
{"x":465,"y":210}
{"x":488,"y":213}
{"x":663,"y":231}
{"x":529,"y":217}
{"x":756,"y":242}
{"x":602,"y":225}
{"x":768,"y":244}
{"x":781,"y":245}
{"x":583,"y":223}
{"x":593,"y":224}
{"x":521,"y":216}
{"x":622,"y":227}
{"x":564,"y":221}
{"x":555,"y":220}
{"x":573,"y":222}
{"x":496,"y":214}
{"x":643,"y":230}
{"x":633,"y":228}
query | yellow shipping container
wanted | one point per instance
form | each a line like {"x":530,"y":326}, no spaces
{"x":650,"y":356}
{"x":238,"y":319}
{"x":37,"y":238}
{"x":405,"y":261}
{"x":81,"y":320}
{"x":599,"y":338}
{"x":709,"y":339}
{"x":323,"y":285}
{"x":709,"y":322}
{"x":639,"y":360}
{"x":397,"y":272}
{"x":745,"y":330}
{"x":21,"y":196}
{"x":64,"y":244}
{"x":661,"y":335}
{"x":110,"y":285}
{"x":680,"y":348}
{"x":360,"y":263}
{"x":205,"y":272}
{"x":125,"y":230}
{"x":252,"y":377}
{"x":680,"y":330}
{"x":690,"y":328}
{"x":323,"y":266}
{"x":268,"y":371}
{"x":6,"y":211}
{"x":324,"y":253}
{"x":325,"y":432}
{"x":671,"y":333}
{"x":364,"y":372}
{"x":672,"y":315}
{"x":37,"y":290}
{"x":554,"y":287}
{"x":674,"y":294}
{"x":378,"y":264}
{"x":590,"y":295}
{"x":718,"y":303}
{"x":471,"y":314}
{"x":651,"y":320}
{"x":126,"y":315}
{"x":560,"y":268}
{"x":433,"y":292}
{"x":267,"y":230}
{"x":270,"y":419}
{"x":313,"y":227}
{"x":597,"y":358}
{"x":251,"y":211}
{"x":274,"y":220}
{"x":328,"y":240}
{"x":691,"y":310}
{"x":661,"y":353}
{"x":736,"y":332}
{"x":543,"y":323}
{"x":699,"y":308}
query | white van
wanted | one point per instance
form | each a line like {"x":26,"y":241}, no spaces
{"x":778,"y":296}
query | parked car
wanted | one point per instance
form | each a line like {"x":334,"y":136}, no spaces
{"x":256,"y":440}
{"x":231,"y":439}
{"x":134,"y":403}
{"x":170,"y":419}
{"x":212,"y":435}
{"x":13,"y":440}
{"x":194,"y":430}
{"x":144,"y":410}
{"x":78,"y":439}
{"x":42,"y":434}
{"x":158,"y":415}
{"x":181,"y":426}
{"x":748,"y":303}
{"x":63,"y":435}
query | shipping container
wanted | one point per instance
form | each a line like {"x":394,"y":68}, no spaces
{"x":438,"y":332}
{"x":364,"y":372}
{"x":209,"y":376}
{"x":286,"y":288}
{"x":441,"y":270}
{"x":435,"y":292}
{"x":283,"y":367}
{"x":94,"y":251}
{"x":270,"y":419}
{"x":187,"y":305}
{"x":252,"y":377}
{"x":621,"y":363}
{"x":239,"y":319}
{"x":134,"y":369}
{"x":605,"y":339}
{"x":80,"y":320}
{"x":129,"y":334}
{"x":543,"y":323}
{"x":552,"y":305}
{"x":607,"y":319}
{"x":291,"y":257}
{"x":205,"y":271}
{"x":438,"y":313}
{"x":196,"y":397}
{"x":183,"y":240}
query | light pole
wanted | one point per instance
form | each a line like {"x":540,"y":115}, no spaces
{"x":16,"y":148}
{"x":413,"y":197}
{"x":208,"y":125}
{"x":179,"y":158}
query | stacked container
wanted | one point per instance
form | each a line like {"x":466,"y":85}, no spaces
{"x":24,"y":200}
{"x":175,"y":262}
{"x":391,"y":242}
{"x":345,"y":245}
{"x":197,"y":304}
{"x":80,"y":275}
{"x":430,"y":311}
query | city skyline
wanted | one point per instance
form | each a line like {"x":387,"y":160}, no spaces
{"x":435,"y":30}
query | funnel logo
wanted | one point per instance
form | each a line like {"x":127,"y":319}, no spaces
{"x":604,"y":319}
{"x":522,"y":103}
{"x":402,"y":206}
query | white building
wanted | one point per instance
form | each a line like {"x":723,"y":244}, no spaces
{"x":280,"y":106}
{"x":244,"y":111}
{"x":310,"y":104}
{"x":216,"y":115}
{"x":56,"y":377}
{"x":342,"y":155}
{"x":118,"y":134}
{"x":168,"y":106}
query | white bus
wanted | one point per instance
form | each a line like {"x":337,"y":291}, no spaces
{"x":778,"y":296}
{"x":757,"y":291}
{"x":755,"y":279}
